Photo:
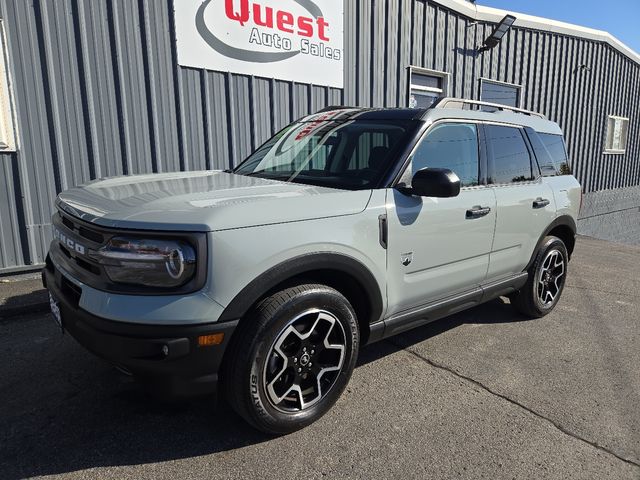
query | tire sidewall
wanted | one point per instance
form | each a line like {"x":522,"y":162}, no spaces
{"x":261,"y":408}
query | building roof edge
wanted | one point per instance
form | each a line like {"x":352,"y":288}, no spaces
{"x":494,"y":15}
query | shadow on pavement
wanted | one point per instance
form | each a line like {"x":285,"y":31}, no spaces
{"x":495,"y":311}
{"x":64,"y":410}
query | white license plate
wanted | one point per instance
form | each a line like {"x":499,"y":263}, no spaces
{"x":55,"y":310}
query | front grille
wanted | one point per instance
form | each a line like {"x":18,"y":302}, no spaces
{"x":79,"y":261}
{"x":91,"y":235}
{"x":81,"y":230}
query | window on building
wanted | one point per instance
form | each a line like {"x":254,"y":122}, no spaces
{"x":617,"y":128}
{"x":453,"y":146}
{"x":499,"y":92}
{"x":426,"y":87}
{"x":7,"y":129}
{"x":509,"y":158}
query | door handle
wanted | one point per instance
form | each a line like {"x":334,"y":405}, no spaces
{"x":477,"y":212}
{"x":540,"y":202}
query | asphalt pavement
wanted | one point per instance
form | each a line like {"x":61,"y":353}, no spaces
{"x":483,"y":394}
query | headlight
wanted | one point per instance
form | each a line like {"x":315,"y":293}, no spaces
{"x":148,"y":262}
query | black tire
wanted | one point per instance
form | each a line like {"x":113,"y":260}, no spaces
{"x":260,"y":364}
{"x":529,"y":300}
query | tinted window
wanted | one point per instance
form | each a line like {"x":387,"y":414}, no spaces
{"x":509,"y":159}
{"x":557,"y":151}
{"x":453,"y":146}
{"x":350,"y":155}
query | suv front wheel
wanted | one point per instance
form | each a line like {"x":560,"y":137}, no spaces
{"x":547,"y":276}
{"x":292,"y":358}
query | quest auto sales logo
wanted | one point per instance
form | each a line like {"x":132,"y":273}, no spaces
{"x":282,"y":22}
{"x":298,"y":40}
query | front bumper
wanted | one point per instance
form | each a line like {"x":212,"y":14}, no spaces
{"x":167,"y":359}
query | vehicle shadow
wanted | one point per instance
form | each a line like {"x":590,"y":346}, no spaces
{"x":68,"y":411}
{"x":493,"y":312}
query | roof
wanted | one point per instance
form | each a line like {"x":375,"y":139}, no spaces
{"x":445,"y":109}
{"x":539,"y":124}
{"x":362,"y":113}
{"x":494,"y":15}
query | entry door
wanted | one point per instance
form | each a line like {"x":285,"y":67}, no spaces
{"x":526,"y":205}
{"x":440,"y":246}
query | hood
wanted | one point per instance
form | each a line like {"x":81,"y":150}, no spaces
{"x":204,"y":201}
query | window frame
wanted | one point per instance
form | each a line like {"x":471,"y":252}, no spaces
{"x":8,"y":124}
{"x":613,"y":151}
{"x":482,"y":153}
{"x":483,"y":80}
{"x":535,"y":167}
{"x":445,"y":76}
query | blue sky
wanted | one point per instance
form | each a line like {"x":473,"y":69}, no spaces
{"x":621,"y":18}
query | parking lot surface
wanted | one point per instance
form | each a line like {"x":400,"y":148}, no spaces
{"x":483,"y":394}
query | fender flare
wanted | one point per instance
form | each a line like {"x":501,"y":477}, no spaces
{"x":296,"y":266}
{"x":562,"y":220}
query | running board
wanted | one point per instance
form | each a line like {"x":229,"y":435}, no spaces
{"x":415,"y":317}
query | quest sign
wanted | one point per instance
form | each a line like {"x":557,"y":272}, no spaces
{"x":295,"y":40}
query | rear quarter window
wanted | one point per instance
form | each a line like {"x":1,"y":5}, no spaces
{"x":551,"y":154}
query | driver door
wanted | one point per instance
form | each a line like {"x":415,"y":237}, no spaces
{"x":438,"y":247}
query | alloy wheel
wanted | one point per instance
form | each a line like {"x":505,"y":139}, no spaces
{"x":550,"y":278}
{"x":304,"y":361}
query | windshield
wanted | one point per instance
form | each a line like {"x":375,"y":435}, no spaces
{"x":350,"y":155}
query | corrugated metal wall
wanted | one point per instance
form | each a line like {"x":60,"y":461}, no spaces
{"x":98,"y":92}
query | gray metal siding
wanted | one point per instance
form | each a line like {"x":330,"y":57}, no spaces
{"x":99,"y":93}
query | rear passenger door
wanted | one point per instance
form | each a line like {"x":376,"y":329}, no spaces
{"x":525,"y":205}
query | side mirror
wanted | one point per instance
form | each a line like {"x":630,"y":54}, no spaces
{"x":435,"y":182}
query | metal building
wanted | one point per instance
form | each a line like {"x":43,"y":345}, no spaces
{"x":94,"y":88}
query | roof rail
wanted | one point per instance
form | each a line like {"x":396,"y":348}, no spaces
{"x":459,"y":103}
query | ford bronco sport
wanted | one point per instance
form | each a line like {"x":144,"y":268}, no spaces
{"x":348,"y":226}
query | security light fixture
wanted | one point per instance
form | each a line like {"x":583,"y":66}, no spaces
{"x":496,"y":36}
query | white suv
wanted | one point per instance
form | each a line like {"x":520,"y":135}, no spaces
{"x":346,"y":227}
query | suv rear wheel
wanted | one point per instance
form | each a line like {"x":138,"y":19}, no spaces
{"x":292,"y":358}
{"x":545,"y":284}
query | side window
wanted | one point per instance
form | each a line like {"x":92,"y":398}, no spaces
{"x":453,"y":146}
{"x":558,"y":152}
{"x":509,"y":158}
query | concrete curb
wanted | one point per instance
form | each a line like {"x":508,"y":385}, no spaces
{"x":22,"y":295}
{"x":7,"y":313}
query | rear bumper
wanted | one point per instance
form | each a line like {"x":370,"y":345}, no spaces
{"x":167,"y":359}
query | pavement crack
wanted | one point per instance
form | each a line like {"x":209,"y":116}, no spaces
{"x":516,"y":403}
